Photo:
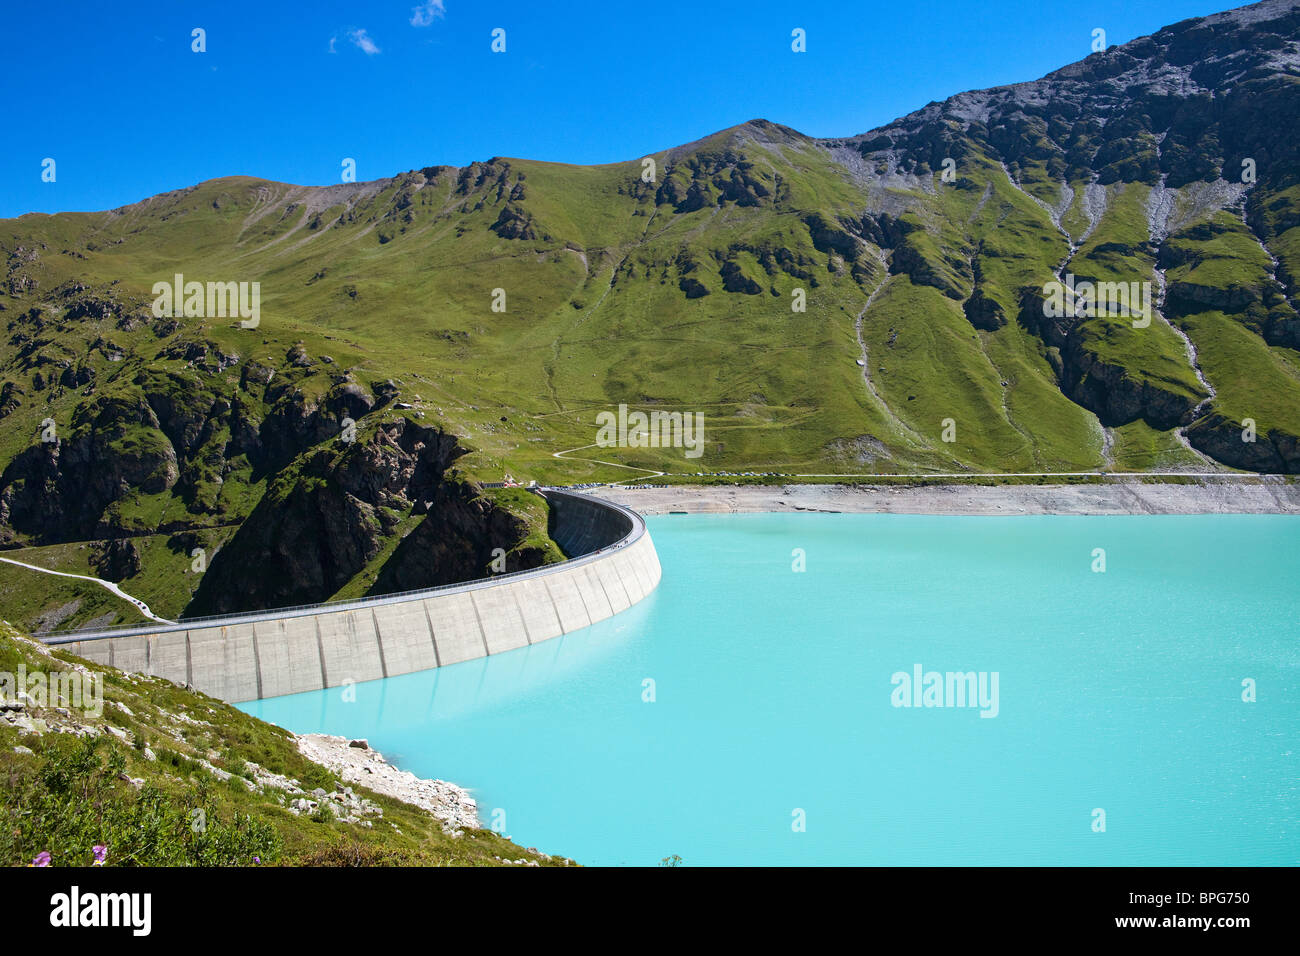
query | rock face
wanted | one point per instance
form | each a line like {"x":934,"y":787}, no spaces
{"x":456,"y":542}
{"x":1272,"y":452}
{"x":119,"y":560}
{"x":1189,"y":297}
{"x":57,"y":490}
{"x":693,"y":287}
{"x":1207,"y":92}
{"x":1116,"y":396}
{"x":166,"y":429}
{"x":912,"y":259}
{"x":328,"y":515}
{"x":735,"y":280}
{"x":514,"y":223}
{"x":983,"y":312}
{"x":11,"y":395}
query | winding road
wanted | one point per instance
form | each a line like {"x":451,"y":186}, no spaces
{"x":648,"y":472}
{"x":140,"y":605}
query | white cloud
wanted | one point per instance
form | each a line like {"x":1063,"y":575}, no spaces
{"x":363,"y":42}
{"x":332,"y":41}
{"x":427,"y":12}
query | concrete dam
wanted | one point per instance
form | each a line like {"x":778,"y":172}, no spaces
{"x":612,"y":565}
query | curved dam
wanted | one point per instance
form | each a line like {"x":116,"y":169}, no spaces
{"x":243,"y":657}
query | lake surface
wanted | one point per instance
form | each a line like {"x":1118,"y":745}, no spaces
{"x":773,"y":735}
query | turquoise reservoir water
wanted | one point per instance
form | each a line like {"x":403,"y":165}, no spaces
{"x":774,"y":696}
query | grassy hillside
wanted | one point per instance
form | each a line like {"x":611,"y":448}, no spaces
{"x":673,"y":296}
{"x":171,"y":777}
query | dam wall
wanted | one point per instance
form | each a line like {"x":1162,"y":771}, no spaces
{"x":612,"y":565}
{"x":581,"y":525}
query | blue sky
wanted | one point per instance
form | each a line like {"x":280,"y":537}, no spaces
{"x":115,"y":95}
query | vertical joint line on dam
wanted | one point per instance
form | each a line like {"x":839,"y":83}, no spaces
{"x":320,"y":649}
{"x":523,"y":618}
{"x":554,"y":607}
{"x":433,"y":637}
{"x":257,"y":659}
{"x":379,"y":641}
{"x":603,"y":590}
{"x":623,"y":584}
{"x":478,"y":619}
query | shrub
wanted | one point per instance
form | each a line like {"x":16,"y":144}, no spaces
{"x":77,"y":799}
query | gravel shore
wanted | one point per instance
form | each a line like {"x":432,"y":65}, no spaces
{"x":360,"y":765}
{"x":1245,"y":495}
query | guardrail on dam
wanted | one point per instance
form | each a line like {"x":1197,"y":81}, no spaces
{"x":243,"y":657}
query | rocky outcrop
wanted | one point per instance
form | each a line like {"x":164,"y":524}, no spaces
{"x":57,"y":490}
{"x":296,"y":421}
{"x":117,"y":559}
{"x":714,"y":177}
{"x":693,"y":287}
{"x":1185,"y":298}
{"x":514,"y":223}
{"x":735,"y":280}
{"x":11,"y":398}
{"x":913,"y":259}
{"x":1272,"y":451}
{"x":984,"y":313}
{"x":1282,"y":327}
{"x":458,"y":540}
{"x":831,"y":237}
{"x":330,"y":512}
{"x":362,"y":766}
{"x":1116,"y":396}
{"x":1114,"y":393}
{"x":1053,"y":330}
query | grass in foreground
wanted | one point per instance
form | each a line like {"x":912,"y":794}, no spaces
{"x":171,"y":777}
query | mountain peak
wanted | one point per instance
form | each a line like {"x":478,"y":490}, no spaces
{"x":1134,"y":111}
{"x":754,"y":132}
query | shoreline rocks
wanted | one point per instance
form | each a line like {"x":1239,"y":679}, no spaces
{"x":360,"y":765}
